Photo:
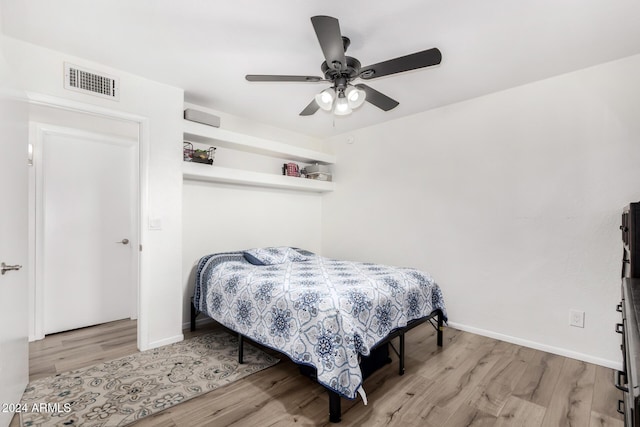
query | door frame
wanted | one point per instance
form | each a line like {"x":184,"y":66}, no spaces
{"x":37,"y":133}
{"x":141,"y":261}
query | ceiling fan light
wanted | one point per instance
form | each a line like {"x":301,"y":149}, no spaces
{"x":342,"y":106}
{"x":355,"y":96}
{"x":325,"y":99}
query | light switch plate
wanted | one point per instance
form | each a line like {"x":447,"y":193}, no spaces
{"x":155,"y":223}
{"x":577,"y":318}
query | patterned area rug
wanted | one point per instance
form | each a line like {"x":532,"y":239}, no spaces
{"x":122,"y":391}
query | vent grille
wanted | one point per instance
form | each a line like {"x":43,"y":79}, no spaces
{"x":87,"y":81}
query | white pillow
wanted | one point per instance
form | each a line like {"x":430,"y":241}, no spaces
{"x":273,"y":255}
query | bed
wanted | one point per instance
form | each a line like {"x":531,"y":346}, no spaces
{"x":324,"y":314}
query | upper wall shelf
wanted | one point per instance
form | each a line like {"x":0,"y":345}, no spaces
{"x":199,"y":172}
{"x":196,"y":132}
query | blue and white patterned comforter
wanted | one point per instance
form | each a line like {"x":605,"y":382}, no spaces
{"x":320,"y":312}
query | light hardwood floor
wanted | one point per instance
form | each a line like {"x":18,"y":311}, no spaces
{"x":471,"y":381}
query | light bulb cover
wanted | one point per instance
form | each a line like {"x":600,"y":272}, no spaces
{"x":325,"y":99}
{"x":355,"y":96}
{"x":342,"y":107}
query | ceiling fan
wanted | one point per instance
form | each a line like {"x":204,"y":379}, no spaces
{"x":341,"y":70}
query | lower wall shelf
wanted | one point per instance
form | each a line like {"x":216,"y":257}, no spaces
{"x":200,"y":172}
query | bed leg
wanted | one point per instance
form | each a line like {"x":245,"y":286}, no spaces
{"x":334,"y":407}
{"x":401,"y":355}
{"x":440,"y":327}
{"x":240,"y":348}
{"x":194,"y":314}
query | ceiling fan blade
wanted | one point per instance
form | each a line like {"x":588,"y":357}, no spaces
{"x":328,"y":33}
{"x":276,"y":78}
{"x":310,"y":109}
{"x":414,"y":61}
{"x":378,"y":99}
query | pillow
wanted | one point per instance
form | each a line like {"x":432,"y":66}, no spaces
{"x":273,"y":255}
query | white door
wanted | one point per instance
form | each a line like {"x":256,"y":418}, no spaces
{"x":87,"y":239}
{"x":14,"y":350}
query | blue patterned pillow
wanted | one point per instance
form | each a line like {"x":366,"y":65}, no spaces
{"x":273,"y":255}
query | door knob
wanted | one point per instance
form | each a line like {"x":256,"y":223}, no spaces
{"x":124,"y":241}
{"x":4,"y":268}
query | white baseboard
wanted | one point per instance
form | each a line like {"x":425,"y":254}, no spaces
{"x":33,"y":338}
{"x":166,"y":341}
{"x":539,"y":346}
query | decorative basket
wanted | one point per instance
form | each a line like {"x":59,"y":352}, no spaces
{"x":197,"y":155}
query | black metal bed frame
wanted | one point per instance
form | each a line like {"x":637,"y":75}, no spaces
{"x":335,"y":411}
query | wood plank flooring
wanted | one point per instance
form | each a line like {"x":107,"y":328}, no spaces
{"x":471,"y":381}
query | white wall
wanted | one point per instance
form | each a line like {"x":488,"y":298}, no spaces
{"x":159,"y":107}
{"x":512,"y":201}
{"x":221,"y":218}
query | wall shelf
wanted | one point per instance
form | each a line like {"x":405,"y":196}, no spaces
{"x":212,"y":173}
{"x":199,"y":133}
{"x":196,"y":132}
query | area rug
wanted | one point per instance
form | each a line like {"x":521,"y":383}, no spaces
{"x":121,"y":391}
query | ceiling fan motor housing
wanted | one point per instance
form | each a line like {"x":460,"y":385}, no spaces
{"x":351,"y":72}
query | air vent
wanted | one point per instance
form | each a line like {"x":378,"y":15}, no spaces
{"x":87,"y":81}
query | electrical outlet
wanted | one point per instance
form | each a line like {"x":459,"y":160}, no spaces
{"x":576,"y":318}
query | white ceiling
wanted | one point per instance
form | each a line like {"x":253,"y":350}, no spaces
{"x":207,"y":47}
